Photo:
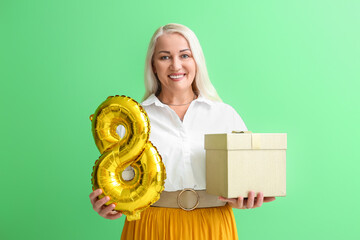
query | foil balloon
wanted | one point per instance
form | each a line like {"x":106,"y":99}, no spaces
{"x":131,"y":196}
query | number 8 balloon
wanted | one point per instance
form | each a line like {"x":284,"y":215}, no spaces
{"x":133,"y":149}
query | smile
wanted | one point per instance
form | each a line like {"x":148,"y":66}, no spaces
{"x":179,"y":76}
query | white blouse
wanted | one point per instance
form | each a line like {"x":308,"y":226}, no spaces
{"x":181,"y":143}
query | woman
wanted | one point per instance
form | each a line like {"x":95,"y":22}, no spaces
{"x":183,"y":105}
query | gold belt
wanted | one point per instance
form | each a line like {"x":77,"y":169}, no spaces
{"x":188,"y":199}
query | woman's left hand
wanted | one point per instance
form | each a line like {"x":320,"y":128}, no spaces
{"x":246,"y":203}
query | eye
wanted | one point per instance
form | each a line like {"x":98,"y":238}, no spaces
{"x":185,"y":56}
{"x":164,"y":57}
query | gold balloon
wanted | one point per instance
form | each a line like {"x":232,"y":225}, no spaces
{"x":133,"y":149}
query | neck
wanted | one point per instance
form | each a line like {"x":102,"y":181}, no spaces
{"x":179,"y":99}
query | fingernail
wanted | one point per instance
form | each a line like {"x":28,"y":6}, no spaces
{"x":107,"y":198}
{"x":113,"y":205}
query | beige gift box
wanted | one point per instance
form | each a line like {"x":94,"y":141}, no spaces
{"x":240,"y":162}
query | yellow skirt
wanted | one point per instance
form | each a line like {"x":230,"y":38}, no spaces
{"x":174,"y":223}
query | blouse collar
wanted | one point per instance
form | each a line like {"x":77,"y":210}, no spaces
{"x":152,"y":99}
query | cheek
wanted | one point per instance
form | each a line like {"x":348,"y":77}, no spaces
{"x":192,"y":67}
{"x":161,"y":67}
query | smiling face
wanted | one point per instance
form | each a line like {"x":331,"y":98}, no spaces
{"x":173,"y":63}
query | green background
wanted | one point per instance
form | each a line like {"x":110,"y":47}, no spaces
{"x":285,"y":66}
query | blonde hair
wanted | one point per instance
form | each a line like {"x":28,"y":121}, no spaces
{"x":201,"y":84}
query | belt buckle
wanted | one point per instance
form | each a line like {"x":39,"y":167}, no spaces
{"x":185,"y":190}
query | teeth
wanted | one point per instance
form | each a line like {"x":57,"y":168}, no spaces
{"x":177,"y":76}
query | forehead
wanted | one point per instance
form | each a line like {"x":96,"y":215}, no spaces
{"x":172,"y":42}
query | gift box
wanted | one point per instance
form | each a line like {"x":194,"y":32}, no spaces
{"x":240,"y":162}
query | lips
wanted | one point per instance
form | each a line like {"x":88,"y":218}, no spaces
{"x":177,"y":76}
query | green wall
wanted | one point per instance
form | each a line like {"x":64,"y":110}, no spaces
{"x":285,"y":66}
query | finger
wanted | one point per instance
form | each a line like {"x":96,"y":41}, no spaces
{"x":104,"y":212}
{"x":231,"y":200}
{"x":259,"y":199}
{"x":99,"y":203}
{"x":114,"y":215}
{"x":240,"y":202}
{"x":114,"y":211}
{"x":269,"y":199}
{"x":93,"y":196}
{"x":250,"y":200}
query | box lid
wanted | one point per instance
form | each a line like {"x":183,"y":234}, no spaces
{"x":246,"y":140}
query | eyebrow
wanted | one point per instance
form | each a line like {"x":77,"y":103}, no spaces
{"x":179,"y":51}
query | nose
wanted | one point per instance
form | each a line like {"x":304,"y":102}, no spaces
{"x":175,"y":64}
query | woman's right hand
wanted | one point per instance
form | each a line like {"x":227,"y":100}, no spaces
{"x":100,"y":207}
